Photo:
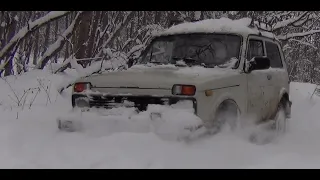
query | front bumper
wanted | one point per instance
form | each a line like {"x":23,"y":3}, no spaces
{"x":139,"y":102}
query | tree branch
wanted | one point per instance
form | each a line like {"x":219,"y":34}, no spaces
{"x":32,"y":26}
{"x":57,"y":46}
{"x":117,"y":30}
{"x":293,"y":35}
{"x":288,"y":22}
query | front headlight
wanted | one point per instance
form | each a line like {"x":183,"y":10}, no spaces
{"x":187,"y":90}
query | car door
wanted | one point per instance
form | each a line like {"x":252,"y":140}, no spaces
{"x":258,"y":81}
{"x":279,"y":76}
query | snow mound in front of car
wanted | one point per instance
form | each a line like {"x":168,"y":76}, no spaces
{"x":172,"y":125}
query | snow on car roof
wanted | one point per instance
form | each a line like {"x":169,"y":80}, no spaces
{"x":222,"y":25}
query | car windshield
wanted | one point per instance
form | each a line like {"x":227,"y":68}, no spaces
{"x":193,"y":49}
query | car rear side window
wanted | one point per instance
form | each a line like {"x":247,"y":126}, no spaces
{"x":273,"y":54}
{"x":255,"y":49}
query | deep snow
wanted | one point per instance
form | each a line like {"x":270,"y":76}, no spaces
{"x":29,"y":137}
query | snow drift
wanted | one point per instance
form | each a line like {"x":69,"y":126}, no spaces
{"x":29,"y":136}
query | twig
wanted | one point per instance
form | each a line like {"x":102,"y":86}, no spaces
{"x":31,"y":103}
{"x":48,"y":95}
{"x":10,"y":87}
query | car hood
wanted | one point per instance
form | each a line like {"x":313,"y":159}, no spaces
{"x":158,"y":77}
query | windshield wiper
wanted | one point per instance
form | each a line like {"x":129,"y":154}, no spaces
{"x":187,"y":60}
{"x":190,"y":61}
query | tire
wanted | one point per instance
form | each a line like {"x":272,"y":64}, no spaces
{"x":269,"y":131}
{"x":281,"y":119}
{"x":227,"y":114}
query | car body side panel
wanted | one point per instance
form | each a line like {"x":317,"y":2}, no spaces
{"x":279,"y":81}
{"x":207,"y":105}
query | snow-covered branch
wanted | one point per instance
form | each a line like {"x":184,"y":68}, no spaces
{"x":140,"y":31}
{"x":117,"y":30}
{"x":288,"y":22}
{"x":292,"y":35}
{"x":56,"y":46}
{"x":304,"y":43}
{"x":31,"y":26}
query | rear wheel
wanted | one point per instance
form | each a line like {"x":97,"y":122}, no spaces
{"x":268,"y":131}
{"x":281,"y":119}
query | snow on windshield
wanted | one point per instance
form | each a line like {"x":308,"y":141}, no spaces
{"x":193,"y":49}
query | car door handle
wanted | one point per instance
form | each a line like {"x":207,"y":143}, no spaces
{"x":269,"y":77}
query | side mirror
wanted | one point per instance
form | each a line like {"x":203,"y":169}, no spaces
{"x":259,"y":63}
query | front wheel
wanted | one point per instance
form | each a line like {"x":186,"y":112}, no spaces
{"x":227,"y":115}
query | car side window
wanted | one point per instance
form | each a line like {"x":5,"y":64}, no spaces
{"x":255,"y":49}
{"x":273,"y":54}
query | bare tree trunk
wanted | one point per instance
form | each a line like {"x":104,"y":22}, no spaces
{"x":83,"y":36}
{"x":11,"y":32}
{"x":58,"y":45}
{"x":31,"y":27}
{"x":4,"y":29}
{"x":47,"y":38}
{"x":66,"y":54}
{"x":36,"y":48}
{"x":116,"y":32}
{"x":92,"y":36}
{"x":2,"y":40}
{"x":56,"y":37}
{"x":157,"y":17}
{"x":28,"y":53}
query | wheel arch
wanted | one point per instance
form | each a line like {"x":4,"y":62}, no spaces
{"x":283,"y":95}
{"x":228,"y":101}
{"x":285,"y":98}
{"x":220,"y":108}
{"x":226,"y":98}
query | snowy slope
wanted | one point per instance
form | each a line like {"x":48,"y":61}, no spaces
{"x":29,"y":137}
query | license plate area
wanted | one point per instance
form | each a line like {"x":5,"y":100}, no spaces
{"x":139,"y":102}
{"x":65,"y":125}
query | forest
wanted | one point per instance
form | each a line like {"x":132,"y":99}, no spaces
{"x":39,"y":39}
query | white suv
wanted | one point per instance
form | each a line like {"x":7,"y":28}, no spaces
{"x":224,"y":68}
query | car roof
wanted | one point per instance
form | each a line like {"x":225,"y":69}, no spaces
{"x":223,"y":25}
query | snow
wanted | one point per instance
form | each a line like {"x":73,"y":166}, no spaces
{"x":153,"y":66}
{"x":304,"y":43}
{"x":16,"y":18}
{"x":224,"y":25}
{"x":292,"y":35}
{"x":23,"y":31}
{"x":118,"y":28}
{"x":197,"y":15}
{"x":115,"y":62}
{"x":287,"y":22}
{"x":29,"y":137}
{"x":198,"y":70}
{"x":201,"y":71}
{"x":55,"y":46}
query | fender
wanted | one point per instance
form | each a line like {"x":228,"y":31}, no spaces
{"x":288,"y":108}
{"x":220,"y":99}
{"x":282,"y":92}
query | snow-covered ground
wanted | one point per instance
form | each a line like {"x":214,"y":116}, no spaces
{"x":29,"y":137}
